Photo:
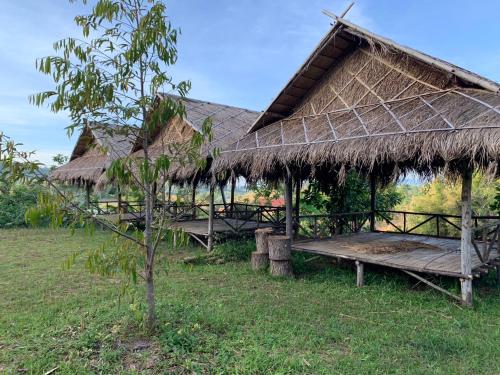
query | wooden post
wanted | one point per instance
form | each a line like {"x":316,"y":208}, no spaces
{"x":498,"y":274}
{"x":210,"y":242}
{"x":222,"y":195}
{"x":233,"y":187}
{"x":373,"y":200}
{"x":169,"y":200}
{"x":193,"y":200}
{"x":119,"y":204}
{"x":360,"y":274}
{"x":288,"y":205}
{"x":297,"y":205}
{"x":87,"y":195}
{"x":466,"y":237}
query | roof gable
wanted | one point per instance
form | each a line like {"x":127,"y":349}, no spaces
{"x":342,"y":41}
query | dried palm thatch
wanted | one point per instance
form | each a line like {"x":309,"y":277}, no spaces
{"x":228,"y":125}
{"x":362,"y":101}
{"x":96,"y":147}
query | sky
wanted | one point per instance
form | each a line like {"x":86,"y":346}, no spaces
{"x":239,"y":53}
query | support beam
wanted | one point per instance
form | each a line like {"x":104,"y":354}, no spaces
{"x":360,"y":274}
{"x":210,"y":242}
{"x":288,"y":205}
{"x":466,"y":237}
{"x":373,"y":200}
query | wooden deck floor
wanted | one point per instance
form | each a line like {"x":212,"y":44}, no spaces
{"x":425,"y":254}
{"x":200,"y":227}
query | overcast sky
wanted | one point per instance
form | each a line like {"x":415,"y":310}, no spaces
{"x":235,"y":52}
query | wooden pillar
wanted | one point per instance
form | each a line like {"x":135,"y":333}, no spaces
{"x":222,"y":195}
{"x":169,"y":200}
{"x":360,"y":274}
{"x":466,"y":238}
{"x":87,"y":194}
{"x":119,"y":203}
{"x":210,"y":241}
{"x":233,"y":187}
{"x":288,"y":205}
{"x":373,"y":200}
{"x":193,"y":201}
{"x":297,"y":205}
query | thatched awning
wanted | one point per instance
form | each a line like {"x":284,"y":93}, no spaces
{"x":96,"y":147}
{"x":362,"y":101}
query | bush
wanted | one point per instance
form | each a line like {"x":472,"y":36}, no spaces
{"x":15,"y":202}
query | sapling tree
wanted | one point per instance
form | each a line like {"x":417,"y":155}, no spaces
{"x":112,"y":76}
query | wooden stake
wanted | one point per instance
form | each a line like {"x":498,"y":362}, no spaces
{"x":360,"y":274}
{"x":466,"y":237}
{"x":210,"y":245}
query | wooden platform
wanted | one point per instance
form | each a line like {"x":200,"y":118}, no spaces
{"x":420,"y":254}
{"x":200,"y":227}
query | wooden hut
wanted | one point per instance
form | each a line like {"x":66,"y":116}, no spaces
{"x":364,"y":102}
{"x":95,"y":149}
{"x":228,"y":125}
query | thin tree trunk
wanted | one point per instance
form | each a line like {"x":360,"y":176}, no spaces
{"x":148,"y":242}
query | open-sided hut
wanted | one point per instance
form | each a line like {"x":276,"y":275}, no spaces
{"x":95,"y":150}
{"x":365,"y":102}
{"x":228,"y":124}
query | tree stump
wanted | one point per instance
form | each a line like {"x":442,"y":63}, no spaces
{"x":279,"y":255}
{"x":281,"y":268}
{"x":260,"y":261}
{"x":261,"y":236}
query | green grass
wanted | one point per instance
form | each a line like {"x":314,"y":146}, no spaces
{"x":228,"y":319}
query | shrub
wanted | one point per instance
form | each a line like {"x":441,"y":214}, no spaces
{"x":15,"y":201}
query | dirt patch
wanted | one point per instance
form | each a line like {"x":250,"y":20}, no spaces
{"x":390,"y":247}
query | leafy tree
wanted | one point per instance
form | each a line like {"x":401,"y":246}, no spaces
{"x":59,"y":160}
{"x":113,"y":76}
{"x":18,"y":182}
{"x":15,"y":164}
{"x":352,"y":196}
{"x":267,"y":190}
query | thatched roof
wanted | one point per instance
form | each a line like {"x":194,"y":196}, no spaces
{"x":96,"y":147}
{"x":228,"y":125}
{"x":363,"y":101}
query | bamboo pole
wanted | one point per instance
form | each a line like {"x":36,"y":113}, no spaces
{"x":466,"y":237}
{"x":210,"y":241}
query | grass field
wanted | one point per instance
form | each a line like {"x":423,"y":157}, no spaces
{"x":226,"y":319}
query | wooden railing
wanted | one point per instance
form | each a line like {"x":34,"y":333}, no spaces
{"x":235,"y":215}
{"x":329,"y":225}
{"x":428,"y":224}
